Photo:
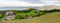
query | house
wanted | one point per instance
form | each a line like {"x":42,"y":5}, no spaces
{"x":9,"y":16}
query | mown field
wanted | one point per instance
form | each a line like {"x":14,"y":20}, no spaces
{"x":53,"y":17}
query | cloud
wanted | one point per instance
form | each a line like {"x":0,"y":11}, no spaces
{"x":42,"y":1}
{"x":48,"y":2}
{"x":28,"y":2}
{"x":17,"y":3}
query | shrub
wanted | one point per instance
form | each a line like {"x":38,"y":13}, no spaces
{"x":1,"y":16}
{"x":20,"y":17}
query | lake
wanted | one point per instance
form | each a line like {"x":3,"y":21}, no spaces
{"x":18,"y":8}
{"x":11,"y":8}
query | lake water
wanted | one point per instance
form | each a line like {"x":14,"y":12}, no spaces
{"x":12,"y":8}
{"x":18,"y":8}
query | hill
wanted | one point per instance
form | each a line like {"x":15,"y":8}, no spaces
{"x":47,"y":18}
{"x":48,"y":7}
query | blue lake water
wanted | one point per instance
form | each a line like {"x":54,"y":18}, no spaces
{"x":12,"y":8}
{"x":17,"y":8}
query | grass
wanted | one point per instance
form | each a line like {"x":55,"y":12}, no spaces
{"x":47,"y":18}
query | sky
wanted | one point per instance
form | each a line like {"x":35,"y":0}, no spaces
{"x":4,"y":3}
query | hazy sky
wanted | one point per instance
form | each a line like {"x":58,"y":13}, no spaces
{"x":28,"y":2}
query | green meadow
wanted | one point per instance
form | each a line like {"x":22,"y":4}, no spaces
{"x":38,"y":16}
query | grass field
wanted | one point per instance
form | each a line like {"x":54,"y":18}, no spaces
{"x":47,"y":18}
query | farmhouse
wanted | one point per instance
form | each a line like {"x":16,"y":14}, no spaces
{"x":9,"y":16}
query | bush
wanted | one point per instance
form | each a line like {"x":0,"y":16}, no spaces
{"x":1,"y":16}
{"x":20,"y":17}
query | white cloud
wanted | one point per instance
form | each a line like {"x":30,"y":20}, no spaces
{"x":28,"y":3}
{"x":52,"y":2}
{"x":16,"y":3}
{"x":48,"y":2}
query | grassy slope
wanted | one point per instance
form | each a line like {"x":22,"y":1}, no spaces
{"x":47,"y":18}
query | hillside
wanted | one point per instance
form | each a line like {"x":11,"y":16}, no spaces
{"x":48,"y":7}
{"x":47,"y":18}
